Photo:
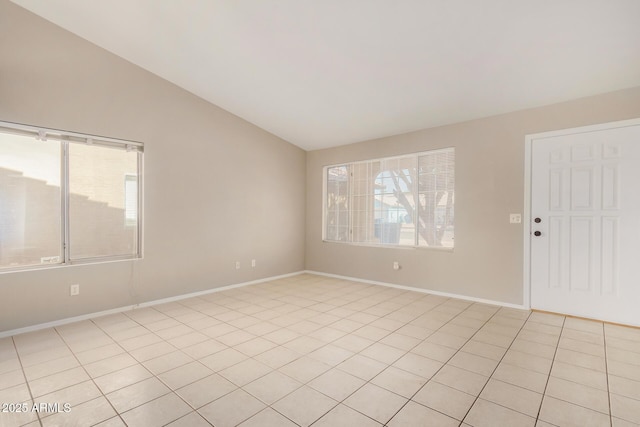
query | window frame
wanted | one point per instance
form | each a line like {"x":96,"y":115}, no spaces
{"x":65,"y":138}
{"x":349,"y":164}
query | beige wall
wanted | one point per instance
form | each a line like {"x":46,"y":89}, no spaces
{"x":217,"y":189}
{"x":487,"y":259}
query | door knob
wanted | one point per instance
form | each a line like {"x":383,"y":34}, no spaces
{"x":537,"y":220}
{"x":537,"y":233}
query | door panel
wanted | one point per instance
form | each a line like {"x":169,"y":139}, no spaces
{"x":584,"y":189}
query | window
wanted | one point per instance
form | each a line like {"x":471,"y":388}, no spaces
{"x":67,"y":198}
{"x":397,"y":201}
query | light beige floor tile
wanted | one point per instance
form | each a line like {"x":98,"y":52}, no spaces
{"x":493,"y":338}
{"x":534,"y":348}
{"x":471,"y":362}
{"x":160,"y":411}
{"x":483,"y":349}
{"x":433,"y":351}
{"x":111,"y":364}
{"x":415,"y":331}
{"x":581,"y":359}
{"x":347,"y":325}
{"x":218,"y":330}
{"x":277,"y":357}
{"x":104,"y":352}
{"x":460,"y":379}
{"x":445,"y":399}
{"x":51,"y":367}
{"x":487,"y":414}
{"x":353,"y":343}
{"x":528,"y":361}
{"x":403,"y":342}
{"x":206,"y":390}
{"x":623,"y":370}
{"x":623,"y":332}
{"x":255,"y":346}
{"x":137,"y":394}
{"x":122,"y":378}
{"x":245,"y":372}
{"x":543,"y":328}
{"x":112,"y":422}
{"x":414,"y":414}
{"x":223,"y":359}
{"x":623,"y":344}
{"x":625,"y":408}
{"x":262,"y":328}
{"x":192,"y":419}
{"x":272,"y":387}
{"x":563,"y":413}
{"x":304,"y":344}
{"x":84,"y":414}
{"x":447,"y":340}
{"x":624,"y":356}
{"x":140,"y":341}
{"x":512,"y":397}
{"x":17,"y":393}
{"x":281,"y":336}
{"x":57,"y":381}
{"x":185,"y":374}
{"x":584,"y":325}
{"x":581,"y":346}
{"x":624,"y":387}
{"x":580,"y":375}
{"x":538,"y":337}
{"x":418,"y":365}
{"x":203,"y":349}
{"x":375,"y":402}
{"x":304,"y":406}
{"x":383,"y":353}
{"x":8,"y":364}
{"x":619,"y":422}
{"x":578,"y":394}
{"x":587,"y":337}
{"x":372,"y":333}
{"x":331,"y":354}
{"x":74,"y":395}
{"x":152,"y":351}
{"x":268,"y":418}
{"x":304,"y":369}
{"x":11,"y":379}
{"x":362,"y":367}
{"x":188,"y":339}
{"x":336,"y":384}
{"x":343,"y":416}
{"x":235,"y":338}
{"x":399,"y":381}
{"x":520,"y":377}
{"x":547,"y":318}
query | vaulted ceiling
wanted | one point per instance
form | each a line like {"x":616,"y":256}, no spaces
{"x":330,"y":72}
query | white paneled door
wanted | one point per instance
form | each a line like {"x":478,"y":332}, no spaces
{"x":585,"y":224}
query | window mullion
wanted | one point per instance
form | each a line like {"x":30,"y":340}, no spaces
{"x":64,"y":192}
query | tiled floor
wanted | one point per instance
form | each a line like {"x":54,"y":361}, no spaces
{"x":310,"y":350}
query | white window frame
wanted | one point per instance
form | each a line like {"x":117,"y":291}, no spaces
{"x":65,"y":138}
{"x":416,"y":245}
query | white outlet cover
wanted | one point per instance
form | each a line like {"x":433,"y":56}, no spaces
{"x":515,"y":218}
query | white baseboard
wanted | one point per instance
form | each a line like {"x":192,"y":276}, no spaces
{"x":424,"y":291}
{"x":4,"y":334}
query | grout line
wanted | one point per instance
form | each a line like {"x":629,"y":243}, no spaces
{"x":606,"y":373}
{"x":24,"y":375}
{"x":544,"y":392}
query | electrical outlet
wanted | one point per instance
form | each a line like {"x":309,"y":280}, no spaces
{"x":253,"y":263}
{"x":515,"y":218}
{"x":396,"y":265}
{"x":74,"y":290}
{"x":237,"y":265}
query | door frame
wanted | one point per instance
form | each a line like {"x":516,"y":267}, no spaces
{"x":529,"y":139}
